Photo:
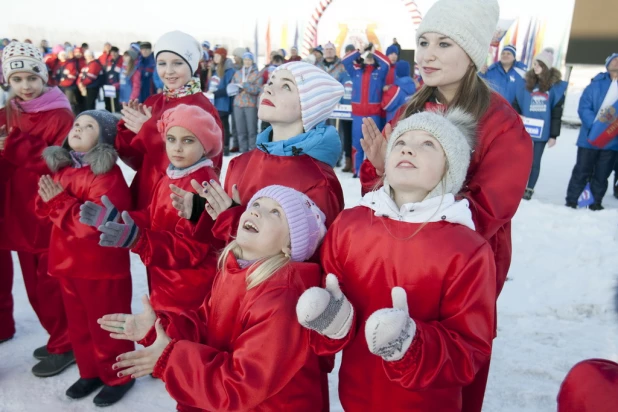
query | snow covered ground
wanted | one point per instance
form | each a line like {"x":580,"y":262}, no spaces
{"x":555,"y":310}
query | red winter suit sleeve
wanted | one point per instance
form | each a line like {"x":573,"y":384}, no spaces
{"x":74,"y":246}
{"x":258,"y":367}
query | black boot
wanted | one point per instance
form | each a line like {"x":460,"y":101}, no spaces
{"x":40,"y":353}
{"x":596,"y":207}
{"x":53,"y":364}
{"x":109,"y":395}
{"x":528,"y":194}
{"x":83,"y":387}
{"x":571,"y":205}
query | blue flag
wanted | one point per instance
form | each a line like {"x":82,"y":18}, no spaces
{"x":586,"y":198}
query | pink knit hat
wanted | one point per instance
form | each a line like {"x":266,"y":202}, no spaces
{"x":198,"y":121}
{"x":305,"y":220}
{"x":546,"y":56}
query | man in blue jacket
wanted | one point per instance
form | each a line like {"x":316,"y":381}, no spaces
{"x":597,"y":145}
{"x":506,"y":75}
{"x":146,"y":66}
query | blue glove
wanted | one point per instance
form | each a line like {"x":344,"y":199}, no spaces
{"x":119,"y":234}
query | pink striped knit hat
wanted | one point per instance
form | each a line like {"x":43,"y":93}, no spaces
{"x":319,"y":92}
{"x":305,"y":220}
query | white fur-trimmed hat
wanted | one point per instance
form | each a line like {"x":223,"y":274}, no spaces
{"x":455,"y":130}
{"x":469,"y":23}
{"x":181,"y":44}
{"x":23,"y":58}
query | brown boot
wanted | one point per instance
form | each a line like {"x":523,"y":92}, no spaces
{"x":348,"y":165}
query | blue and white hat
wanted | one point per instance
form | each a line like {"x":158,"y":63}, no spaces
{"x":248,"y":55}
{"x":610,"y":58}
{"x":510,"y":48}
{"x":319,"y":92}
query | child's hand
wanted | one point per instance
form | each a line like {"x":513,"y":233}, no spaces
{"x":48,"y":189}
{"x":142,"y":362}
{"x":94,"y":215}
{"x":135,"y":116}
{"x":182,"y":201}
{"x":119,"y":234}
{"x":217,"y":200}
{"x":374,"y":144}
{"x":129,"y":327}
{"x":389,"y":332}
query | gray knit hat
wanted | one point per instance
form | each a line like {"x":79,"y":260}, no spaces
{"x":546,"y":56}
{"x":107,"y":125}
{"x":455,"y":130}
{"x":469,"y":23}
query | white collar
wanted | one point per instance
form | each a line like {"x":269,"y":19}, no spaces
{"x":437,"y":209}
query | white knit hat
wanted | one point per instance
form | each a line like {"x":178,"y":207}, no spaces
{"x":455,"y":130}
{"x":546,"y":56}
{"x":469,"y":23}
{"x":319,"y":92}
{"x":181,"y":44}
{"x":23,"y":57}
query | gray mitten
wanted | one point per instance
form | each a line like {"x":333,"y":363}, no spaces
{"x":327,"y":311}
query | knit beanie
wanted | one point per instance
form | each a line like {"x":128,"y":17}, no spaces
{"x":57,"y":49}
{"x":239,"y":51}
{"x":469,"y":23}
{"x":392,"y":49}
{"x":206,"y":44}
{"x":455,"y":130}
{"x":23,"y":58}
{"x":198,"y":121}
{"x":222,"y":51}
{"x":305,"y":220}
{"x":248,"y":55}
{"x":181,"y":44}
{"x":319,"y":49}
{"x":349,"y":48}
{"x":133,"y":54}
{"x":546,"y":56}
{"x":609,"y":59}
{"x":107,"y":125}
{"x":329,"y":45}
{"x":511,"y":49}
{"x":402,"y":69}
{"x":319,"y":92}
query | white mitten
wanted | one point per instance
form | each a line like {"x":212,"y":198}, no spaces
{"x":389,"y":332}
{"x":327,"y":311}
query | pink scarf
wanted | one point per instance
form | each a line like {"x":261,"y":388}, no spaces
{"x":49,"y":100}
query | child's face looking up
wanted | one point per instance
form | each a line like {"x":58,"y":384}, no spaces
{"x":263,"y":230}
{"x":85,"y":134}
{"x":173,"y":70}
{"x":280,"y":101}
{"x":182,"y":147}
{"x":416,"y":163}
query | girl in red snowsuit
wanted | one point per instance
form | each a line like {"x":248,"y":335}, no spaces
{"x":244,"y":349}
{"x":414,"y":312}
{"x":192,"y":139}
{"x":34,"y":118}
{"x":94,"y":281}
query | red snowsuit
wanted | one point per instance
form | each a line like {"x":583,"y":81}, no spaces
{"x":447,"y":271}
{"x":172,"y":288}
{"x":95,"y":280}
{"x":496,"y":181}
{"x":145,"y":151}
{"x":244,"y":350}
{"x":21,"y":166}
{"x":591,"y":386}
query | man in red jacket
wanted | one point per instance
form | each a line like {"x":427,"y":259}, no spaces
{"x":90,"y":80}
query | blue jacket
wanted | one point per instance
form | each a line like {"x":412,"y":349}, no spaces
{"x":589,"y":106}
{"x":322,"y":143}
{"x":368,"y":83}
{"x":397,"y":96}
{"x":126,"y":86}
{"x":544,"y":106}
{"x":506,"y":84}
{"x":158,"y":83}
{"x":147,"y":69}
{"x":223,"y":102}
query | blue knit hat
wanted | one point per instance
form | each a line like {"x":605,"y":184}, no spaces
{"x":392,"y":49}
{"x":248,"y":55}
{"x":609,"y":59}
{"x":206,"y":44}
{"x":402,"y":69}
{"x":510,"y":48}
